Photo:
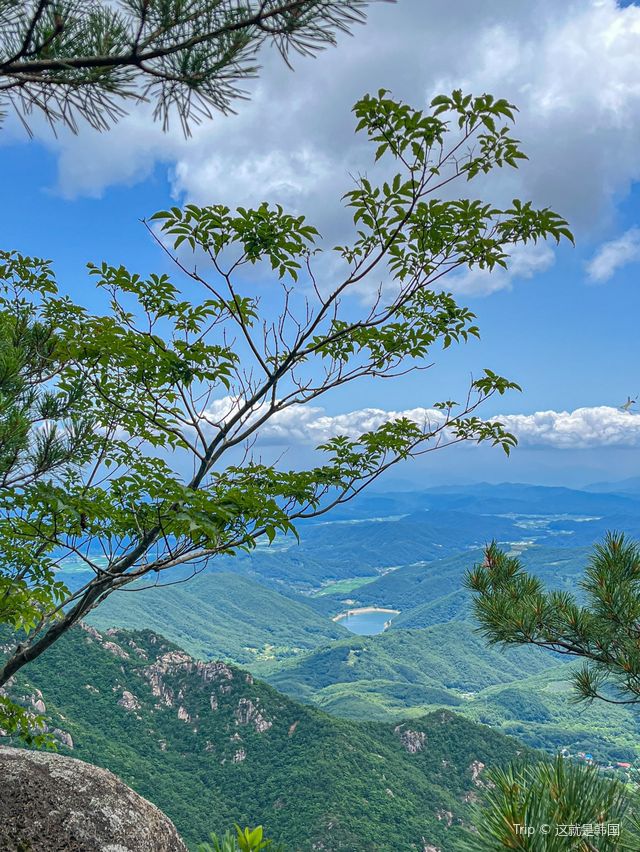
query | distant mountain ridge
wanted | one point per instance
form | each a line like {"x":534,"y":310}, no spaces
{"x":486,"y":498}
{"x":631,"y":485}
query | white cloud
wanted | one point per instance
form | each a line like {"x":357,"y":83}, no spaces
{"x":601,"y":426}
{"x":571,"y":67}
{"x":614,"y":254}
{"x":310,"y":425}
{"x":91,"y":162}
{"x":525,"y":261}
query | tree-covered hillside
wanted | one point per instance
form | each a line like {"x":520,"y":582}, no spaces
{"x":523,"y":692}
{"x":211,"y":746}
{"x":330,"y":551}
{"x":399,"y":669}
{"x":416,"y":588}
{"x":226,"y":616}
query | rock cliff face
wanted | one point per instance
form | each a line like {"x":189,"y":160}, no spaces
{"x":413,"y":741}
{"x":51,"y":803}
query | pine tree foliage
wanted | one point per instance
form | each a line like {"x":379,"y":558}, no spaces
{"x":553,"y":807}
{"x":601,"y":626}
{"x":32,"y":407}
{"x":71,"y":59}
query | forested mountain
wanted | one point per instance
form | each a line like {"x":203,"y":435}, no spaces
{"x":224,"y":615}
{"x":210,"y":745}
{"x":524,"y":692}
{"x":400,"y":668}
{"x":271,"y":611}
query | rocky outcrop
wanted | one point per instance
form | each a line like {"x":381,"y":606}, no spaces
{"x":129,"y":701}
{"x":138,"y":650}
{"x":179,"y":663}
{"x":37,"y":703}
{"x":476,"y":768}
{"x":91,"y":631}
{"x":51,"y":803}
{"x":116,"y":650}
{"x":413,"y":741}
{"x":63,"y":737}
{"x":447,"y":816}
{"x":240,"y":755}
{"x":213,"y":671}
{"x":248,"y":714}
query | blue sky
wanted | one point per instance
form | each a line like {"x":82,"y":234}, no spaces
{"x":564,"y":325}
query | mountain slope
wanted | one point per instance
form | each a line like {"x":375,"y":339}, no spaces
{"x":426,"y":584}
{"x":524,"y":692}
{"x":210,"y":746}
{"x":541,"y":710}
{"x":335,"y":550}
{"x":399,"y":669}
{"x":222,"y":615}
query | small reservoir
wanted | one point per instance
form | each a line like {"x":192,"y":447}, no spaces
{"x":366,"y":621}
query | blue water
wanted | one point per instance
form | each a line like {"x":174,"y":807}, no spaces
{"x":366,"y":623}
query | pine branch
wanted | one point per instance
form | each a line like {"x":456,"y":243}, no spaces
{"x":81,"y":59}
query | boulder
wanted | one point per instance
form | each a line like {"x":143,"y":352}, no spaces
{"x":51,"y":803}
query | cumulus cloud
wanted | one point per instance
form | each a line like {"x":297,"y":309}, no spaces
{"x":525,"y":261}
{"x":601,"y":426}
{"x":614,"y":254}
{"x":583,"y":428}
{"x":313,"y":426}
{"x":310,"y":425}
{"x":571,"y":67}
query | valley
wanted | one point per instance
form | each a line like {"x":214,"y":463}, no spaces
{"x":398,"y":561}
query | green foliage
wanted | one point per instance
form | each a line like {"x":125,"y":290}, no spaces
{"x":29,"y":728}
{"x":534,"y":807}
{"x":242,"y":841}
{"x":82,"y":59}
{"x":44,"y":432}
{"x":31,"y":356}
{"x":513,"y":608}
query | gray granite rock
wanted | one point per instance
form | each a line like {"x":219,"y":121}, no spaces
{"x":52,"y":803}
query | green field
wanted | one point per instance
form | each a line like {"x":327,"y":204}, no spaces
{"x":343,"y":587}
